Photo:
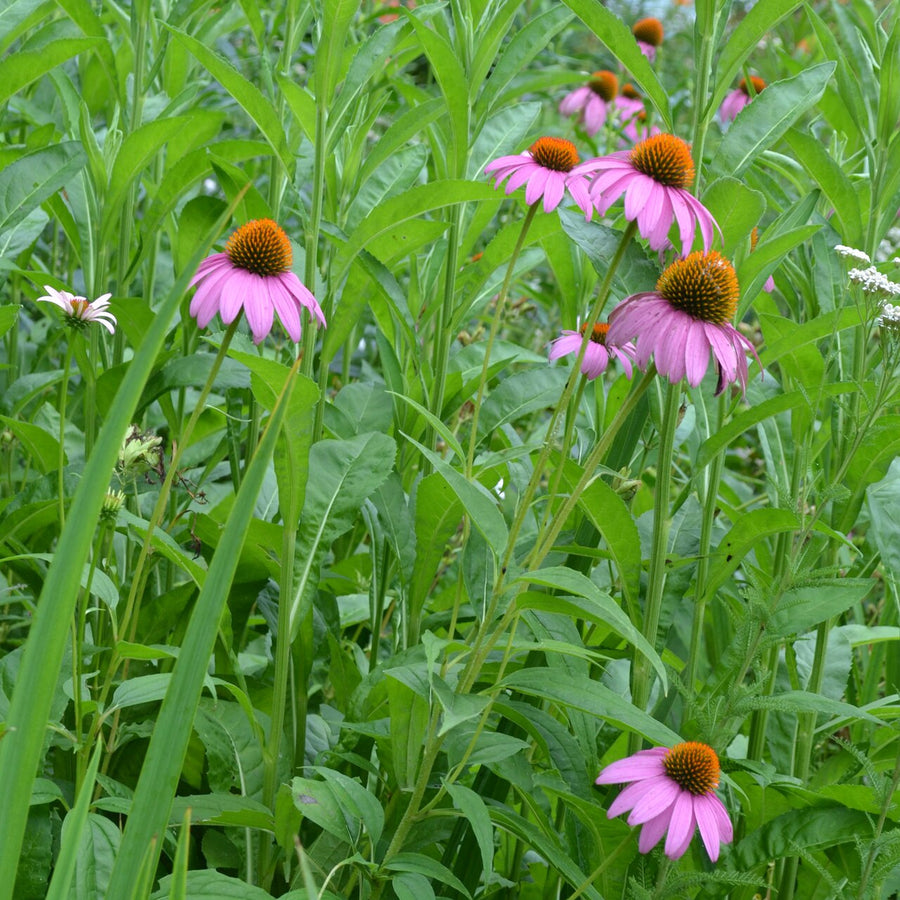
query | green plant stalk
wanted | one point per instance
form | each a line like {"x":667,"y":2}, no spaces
{"x":29,"y":711}
{"x":165,"y":756}
{"x":641,"y":670}
{"x":879,"y":828}
{"x":524,"y":503}
{"x":714,"y":476}
{"x":702,"y":74}
{"x":132,"y":605}
{"x":499,"y":308}
{"x":63,"y":398}
{"x":607,"y":861}
{"x":90,"y":394}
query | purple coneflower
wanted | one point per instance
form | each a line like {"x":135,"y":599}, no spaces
{"x":546,"y":171}
{"x":253,"y":273}
{"x":739,"y":98}
{"x":687,"y":316}
{"x":653,"y":177}
{"x":598,"y":353}
{"x":595,"y":100}
{"x":649,"y":35}
{"x":79,"y":311}
{"x":671,"y":790}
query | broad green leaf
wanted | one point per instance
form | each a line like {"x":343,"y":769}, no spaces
{"x":301,"y":103}
{"x":581,"y":693}
{"x":221,"y":809}
{"x":32,"y":178}
{"x":14,"y":17}
{"x":761,"y":123}
{"x":457,"y":707}
{"x":409,"y":717}
{"x":478,"y":501}
{"x":330,"y":806}
{"x":889,"y":84}
{"x":208,"y":884}
{"x":425,"y":865}
{"x":41,"y":446}
{"x":20,"y":69}
{"x":397,"y":174}
{"x":22,"y":235}
{"x":247,"y":95}
{"x":100,"y":844}
{"x":802,"y":608}
{"x":520,"y":394}
{"x":835,"y":185}
{"x":601,"y":608}
{"x":475,"y":811}
{"x":333,"y":32}
{"x":346,"y":474}
{"x":883,"y":500}
{"x":736,"y":208}
{"x":615,"y":35}
{"x":412,"y":886}
{"x":761,"y":18}
{"x":804,"y":701}
{"x":9,"y":315}
{"x":501,"y":135}
{"x":396,"y":520}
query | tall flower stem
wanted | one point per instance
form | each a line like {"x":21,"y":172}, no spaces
{"x":130,"y":614}
{"x":499,"y":307}
{"x":702,"y":70}
{"x":711,"y":495}
{"x":640,"y":683}
{"x":525,"y":500}
{"x":63,"y":399}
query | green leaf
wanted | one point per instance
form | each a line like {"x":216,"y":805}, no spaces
{"x":614,"y":34}
{"x":9,"y":315}
{"x":208,"y":884}
{"x":32,"y":178}
{"x":501,"y":135}
{"x":761,"y":18}
{"x":761,"y":123}
{"x":520,"y":394}
{"x":410,"y":714}
{"x":600,"y":608}
{"x":475,"y":811}
{"x":571,"y":690}
{"x":333,"y":31}
{"x":425,"y":865}
{"x":21,"y":68}
{"x":41,"y":446}
{"x":412,"y":886}
{"x":802,"y":608}
{"x":247,"y":95}
{"x":478,"y":501}
{"x":347,"y":472}
{"x":736,"y":208}
{"x":804,"y":701}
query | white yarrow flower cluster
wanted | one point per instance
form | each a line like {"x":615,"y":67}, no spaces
{"x":890,"y":317}
{"x":873,"y":282}
{"x":852,"y":252}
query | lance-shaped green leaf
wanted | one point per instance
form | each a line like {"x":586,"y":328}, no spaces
{"x":345,"y":473}
{"x":338,"y":14}
{"x":20,"y":69}
{"x":165,"y":756}
{"x":769,"y":116}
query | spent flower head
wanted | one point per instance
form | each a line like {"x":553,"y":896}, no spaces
{"x":139,"y":452}
{"x":253,"y":274}
{"x":671,"y":790}
{"x":79,"y":311}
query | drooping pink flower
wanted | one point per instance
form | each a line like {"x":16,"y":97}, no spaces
{"x":684,"y":319}
{"x":546,"y":170}
{"x":649,"y":35}
{"x":739,"y":98}
{"x":671,"y":790}
{"x":253,"y":274}
{"x":598,"y":353}
{"x":79,"y":311}
{"x":653,"y":177}
{"x":595,"y":101}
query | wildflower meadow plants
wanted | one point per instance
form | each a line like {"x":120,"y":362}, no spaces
{"x":406,"y":517}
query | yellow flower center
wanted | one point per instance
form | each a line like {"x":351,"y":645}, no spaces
{"x":693,"y":766}
{"x":598,"y":332}
{"x":758,"y":85}
{"x":554,"y":153}
{"x":79,"y":308}
{"x":260,"y":247}
{"x":604,"y":84}
{"x":650,"y":31}
{"x":666,"y":159}
{"x":703,"y":285}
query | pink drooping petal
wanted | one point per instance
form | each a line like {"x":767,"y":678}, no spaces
{"x":623,"y":358}
{"x":659,"y":794}
{"x":726,"y":831}
{"x":210,"y":264}
{"x":652,"y":831}
{"x":575,"y":101}
{"x":521,"y":176}
{"x":258,"y":307}
{"x":685,"y":220}
{"x":235,"y":289}
{"x":568,"y":342}
{"x":636,"y":196}
{"x":681,"y":825}
{"x":554,"y":189}
{"x":536,"y":184}
{"x":595,"y":361}
{"x":287,"y":307}
{"x":696,"y":353}
{"x":507,"y":162}
{"x":302,"y":295}
{"x":205,"y":302}
{"x":579,"y":189}
{"x":732,"y":105}
{"x":704,"y":219}
{"x":594,"y":115}
{"x":708,"y":824}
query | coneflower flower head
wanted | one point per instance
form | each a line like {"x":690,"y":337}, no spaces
{"x":685,"y":319}
{"x":598,"y":353}
{"x":253,"y":274}
{"x":653,"y":177}
{"x":671,"y":790}
{"x":546,"y":170}
{"x":79,"y":311}
{"x":649,"y":35}
{"x":594,"y":101}
{"x":739,"y":98}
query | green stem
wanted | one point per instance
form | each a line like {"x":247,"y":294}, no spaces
{"x":703,"y":73}
{"x":499,"y":306}
{"x":607,"y":861}
{"x":63,"y":398}
{"x":640,"y":690}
